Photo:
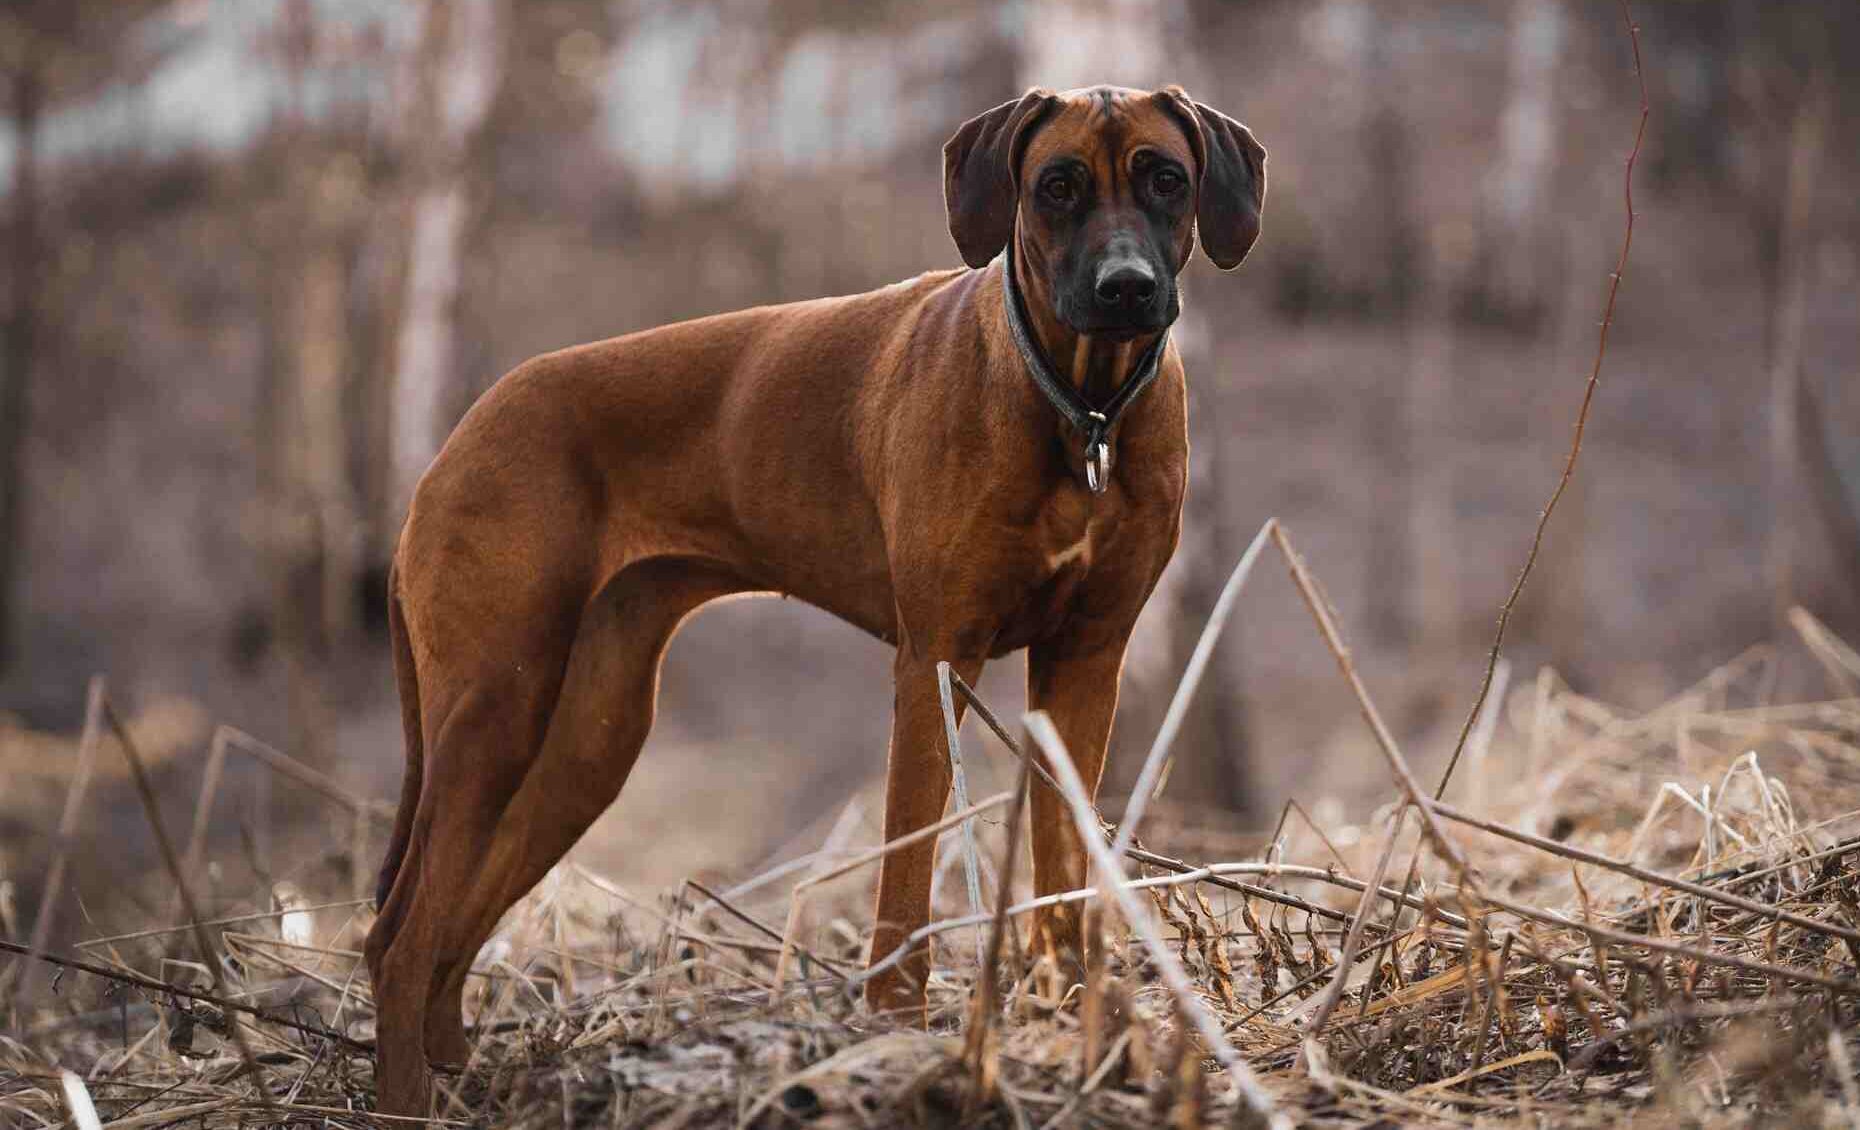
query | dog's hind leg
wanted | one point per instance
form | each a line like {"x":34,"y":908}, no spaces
{"x":487,"y":687}
{"x":407,"y":679}
{"x":601,"y":718}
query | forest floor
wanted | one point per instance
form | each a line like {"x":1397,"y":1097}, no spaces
{"x":1657,"y":923}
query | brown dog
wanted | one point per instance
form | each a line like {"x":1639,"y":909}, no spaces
{"x":908,"y":459}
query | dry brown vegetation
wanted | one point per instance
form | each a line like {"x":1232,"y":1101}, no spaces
{"x":1664,"y":929}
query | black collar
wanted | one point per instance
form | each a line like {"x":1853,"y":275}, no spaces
{"x":1094,"y":423}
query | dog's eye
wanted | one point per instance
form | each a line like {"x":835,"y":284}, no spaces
{"x":1167,"y":182}
{"x":1058,"y":188}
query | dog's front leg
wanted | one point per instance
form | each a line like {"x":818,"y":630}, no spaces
{"x":916,"y":789}
{"x":1075,"y":682}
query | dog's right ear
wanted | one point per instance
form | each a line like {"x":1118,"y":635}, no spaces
{"x":981,"y":174}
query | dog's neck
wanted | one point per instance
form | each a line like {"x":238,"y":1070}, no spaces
{"x":1096,"y":366}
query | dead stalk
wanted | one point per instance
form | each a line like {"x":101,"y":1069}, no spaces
{"x":952,"y":726}
{"x":1158,"y":757}
{"x":1385,"y":740}
{"x":208,"y":954}
{"x":801,"y":890}
{"x":977,"y":1041}
{"x":1256,"y":1106}
{"x":23,"y":974}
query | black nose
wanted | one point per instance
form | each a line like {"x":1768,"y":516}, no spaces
{"x":1125,"y":285}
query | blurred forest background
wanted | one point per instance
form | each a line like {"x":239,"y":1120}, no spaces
{"x":261,"y":255}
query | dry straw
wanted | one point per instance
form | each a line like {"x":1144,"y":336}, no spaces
{"x":1623,"y":969}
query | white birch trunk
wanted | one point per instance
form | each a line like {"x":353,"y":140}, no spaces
{"x":1527,"y":132}
{"x":1072,"y":43}
{"x":461,"y":56}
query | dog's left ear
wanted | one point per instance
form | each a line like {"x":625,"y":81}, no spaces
{"x":981,"y":174}
{"x":1233,"y":178}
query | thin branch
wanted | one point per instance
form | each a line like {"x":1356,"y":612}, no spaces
{"x":208,"y":956}
{"x":1147,"y":778}
{"x":22,"y":976}
{"x":1575,"y":446}
{"x":976,"y":1041}
{"x":154,"y":986}
{"x":1697,"y":890}
{"x":1385,"y":740}
{"x":1582,"y":421}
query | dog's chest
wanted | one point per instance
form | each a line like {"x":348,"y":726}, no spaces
{"x":1072,"y":558}
{"x":1060,"y":568}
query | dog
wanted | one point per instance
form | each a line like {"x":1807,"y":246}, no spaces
{"x":965,"y":464}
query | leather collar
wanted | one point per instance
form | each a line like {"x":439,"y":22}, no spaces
{"x":1094,"y":422}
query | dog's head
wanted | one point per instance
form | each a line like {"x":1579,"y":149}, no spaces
{"x":1110,"y":186}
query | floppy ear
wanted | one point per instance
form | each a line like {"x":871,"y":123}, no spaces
{"x":1233,"y":178}
{"x":981,"y":174}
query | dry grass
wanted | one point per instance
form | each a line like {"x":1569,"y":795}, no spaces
{"x":1668,"y":933}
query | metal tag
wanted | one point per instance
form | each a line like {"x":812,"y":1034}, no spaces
{"x":1098,"y":467}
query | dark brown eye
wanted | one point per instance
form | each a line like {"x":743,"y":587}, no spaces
{"x":1167,"y":182}
{"x":1058,"y":188}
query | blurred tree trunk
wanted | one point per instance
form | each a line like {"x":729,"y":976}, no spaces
{"x":1518,"y":259}
{"x":321,"y":368}
{"x":287,"y":495}
{"x":27,"y":97}
{"x":1212,"y":756}
{"x":1072,"y":43}
{"x":1831,"y":464}
{"x":1560,"y":613}
{"x":1434,"y":604}
{"x":1789,"y":276}
{"x":52,"y":53}
{"x":1370,"y":267}
{"x":457,"y":71}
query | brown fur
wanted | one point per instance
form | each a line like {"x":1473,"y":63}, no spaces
{"x":883,"y":456}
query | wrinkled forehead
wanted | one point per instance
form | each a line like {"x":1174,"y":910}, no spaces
{"x":1102,"y":125}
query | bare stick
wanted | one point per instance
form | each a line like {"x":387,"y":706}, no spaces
{"x":1210,"y":875}
{"x":218,"y":1002}
{"x":1582,"y":414}
{"x":1842,"y":662}
{"x":1661,"y":945}
{"x":759,"y":927}
{"x":23,"y":975}
{"x":208,"y":956}
{"x":1575,"y":446}
{"x":1333,"y":992}
{"x":1256,"y":1105}
{"x":1140,"y":794}
{"x":1398,"y":765}
{"x":289,"y":766}
{"x":203,"y":803}
{"x":801,"y":890}
{"x":159,"y":931}
{"x":981,"y":1019}
{"x":1697,"y":890}
{"x":988,"y":719}
{"x":971,"y":871}
{"x":926,"y":832}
